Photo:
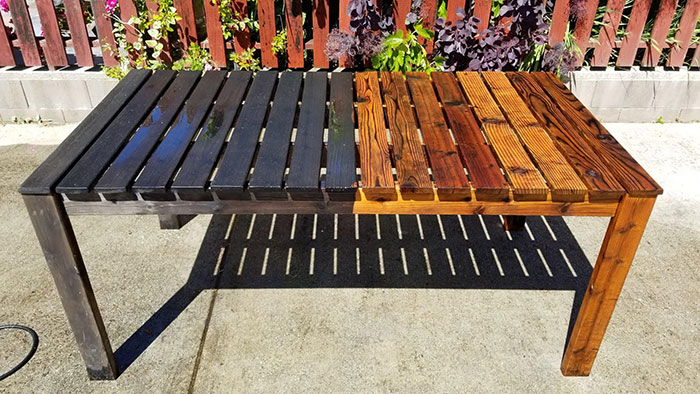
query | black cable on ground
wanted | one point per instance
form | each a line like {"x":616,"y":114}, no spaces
{"x":35,"y":344}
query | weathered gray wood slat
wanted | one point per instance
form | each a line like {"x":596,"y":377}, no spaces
{"x":238,"y":156}
{"x":93,"y":162}
{"x":125,"y":167}
{"x":45,"y":177}
{"x":161,"y":166}
{"x":341,"y":175}
{"x":268,"y":174}
{"x":303,"y":181}
{"x":200,"y":160}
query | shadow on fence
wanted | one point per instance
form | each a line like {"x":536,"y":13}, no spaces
{"x":388,"y":251}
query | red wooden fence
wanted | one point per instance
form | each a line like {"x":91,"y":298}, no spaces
{"x":19,"y":45}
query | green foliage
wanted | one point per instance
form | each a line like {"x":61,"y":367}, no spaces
{"x":403,"y":52}
{"x":114,"y":72}
{"x":151,"y":30}
{"x":196,"y":59}
{"x":246,"y":60}
{"x":232,"y":20}
{"x":279,"y":43}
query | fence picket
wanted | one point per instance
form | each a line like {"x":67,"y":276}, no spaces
{"x":6,"y":56}
{"x":686,"y":28}
{"x":25,"y":33}
{"x":662,"y":23}
{"x":104,"y":32}
{"x":215,"y":34}
{"x":452,"y":6}
{"x":78,"y":33}
{"x":321,"y":30}
{"x":54,"y":50}
{"x":635,"y":28}
{"x":187,"y":26}
{"x":241,"y":38}
{"x":560,"y":21}
{"x":268,"y":30}
{"x":582,"y":31}
{"x":608,"y":33}
{"x":295,"y":34}
{"x":482,"y":10}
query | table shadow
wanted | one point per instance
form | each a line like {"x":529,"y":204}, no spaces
{"x":324,"y":251}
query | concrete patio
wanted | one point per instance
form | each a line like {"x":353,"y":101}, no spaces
{"x":276,"y":304}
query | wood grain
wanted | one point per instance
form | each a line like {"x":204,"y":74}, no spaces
{"x":486,"y":176}
{"x":375,"y":163}
{"x":341,"y":177}
{"x":600,"y":181}
{"x":526,"y":182}
{"x":450,"y":179}
{"x":628,"y":172}
{"x":409,"y":159}
{"x":564,"y":184}
{"x":609,"y":273}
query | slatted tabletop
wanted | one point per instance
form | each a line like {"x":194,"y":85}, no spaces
{"x":341,"y":136}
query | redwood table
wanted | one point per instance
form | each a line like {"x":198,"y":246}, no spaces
{"x":172,"y":144}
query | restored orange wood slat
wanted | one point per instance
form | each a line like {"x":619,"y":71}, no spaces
{"x":686,"y":29}
{"x":295,"y":34}
{"x":215,"y":38}
{"x":78,"y":33}
{"x":560,"y":20}
{"x":321,"y":29}
{"x":25,"y":33}
{"x":268,"y":30}
{"x":409,"y":159}
{"x":452,"y":6}
{"x":6,"y":56}
{"x":375,"y":164}
{"x":633,"y":177}
{"x":525,"y":180}
{"x":187,"y":26}
{"x":486,"y":176}
{"x":562,"y":180}
{"x":609,"y":273}
{"x":450,"y":179}
{"x":344,"y":24}
{"x":584,"y":24}
{"x":601,"y":182}
{"x":664,"y":17}
{"x":104,"y":32}
{"x":54,"y":49}
{"x":635,"y":28}
{"x":401,"y":9}
{"x":606,"y":38}
{"x":482,"y":10}
{"x":241,"y":38}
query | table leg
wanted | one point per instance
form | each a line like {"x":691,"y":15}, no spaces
{"x":619,"y":247}
{"x":55,"y":233}
{"x":171,"y":222}
{"x":513,"y":223}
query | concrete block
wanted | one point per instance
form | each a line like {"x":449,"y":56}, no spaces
{"x":606,"y":114}
{"x":99,"y":88}
{"x":51,"y":115}
{"x":689,"y":115}
{"x":639,"y":115}
{"x":620,"y":93}
{"x":583,"y":89}
{"x":75,"y":115}
{"x":12,"y":94}
{"x":694,"y":92}
{"x":56,"y":93}
{"x":671,"y":93}
{"x":8,"y":114}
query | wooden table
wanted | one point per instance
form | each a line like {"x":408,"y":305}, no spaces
{"x":172,"y":144}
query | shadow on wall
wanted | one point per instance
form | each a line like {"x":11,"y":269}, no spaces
{"x":387,"y":251}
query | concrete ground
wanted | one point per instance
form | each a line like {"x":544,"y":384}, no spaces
{"x":276,"y":305}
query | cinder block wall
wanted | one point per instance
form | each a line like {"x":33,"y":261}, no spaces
{"x":55,"y":96}
{"x":637,"y":96}
{"x":67,"y":96}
